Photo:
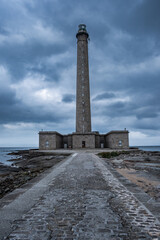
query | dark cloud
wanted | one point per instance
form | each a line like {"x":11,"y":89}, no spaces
{"x":37,"y":38}
{"x":148,"y":124}
{"x":124,"y":109}
{"x":147,"y":113}
{"x":105,"y":95}
{"x":117,"y":109}
{"x":13,"y":110}
{"x":3,"y":31}
{"x":68,"y":98}
{"x":7,"y":98}
{"x":143,"y":19}
{"x":20,"y":113}
{"x":30,"y":56}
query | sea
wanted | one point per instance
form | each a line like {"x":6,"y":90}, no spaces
{"x":5,"y":150}
{"x":149,"y":148}
{"x":4,"y":154}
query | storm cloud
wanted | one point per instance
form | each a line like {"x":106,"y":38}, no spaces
{"x":38,"y":67}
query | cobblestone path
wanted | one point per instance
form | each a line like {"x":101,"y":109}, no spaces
{"x":82,"y":203}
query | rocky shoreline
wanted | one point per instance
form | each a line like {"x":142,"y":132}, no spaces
{"x":141,"y":168}
{"x":27,"y":165}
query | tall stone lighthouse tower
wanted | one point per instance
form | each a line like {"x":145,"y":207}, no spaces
{"x":83,"y":112}
{"x":83,"y":137}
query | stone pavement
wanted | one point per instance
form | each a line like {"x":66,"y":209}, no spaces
{"x":83,"y":200}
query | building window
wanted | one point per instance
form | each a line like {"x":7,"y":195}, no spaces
{"x":47,"y":144}
{"x":120,"y":143}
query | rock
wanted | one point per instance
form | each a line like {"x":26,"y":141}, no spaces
{"x":28,"y":165}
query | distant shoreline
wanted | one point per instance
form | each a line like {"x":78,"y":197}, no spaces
{"x":5,"y":152}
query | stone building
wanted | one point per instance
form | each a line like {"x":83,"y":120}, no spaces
{"x":83,"y":137}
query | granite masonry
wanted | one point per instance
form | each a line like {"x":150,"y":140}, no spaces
{"x":83,"y":137}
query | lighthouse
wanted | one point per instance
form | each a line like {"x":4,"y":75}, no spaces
{"x":83,"y":111}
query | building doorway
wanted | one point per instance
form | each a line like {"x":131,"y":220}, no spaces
{"x":83,"y":144}
{"x":102,"y":145}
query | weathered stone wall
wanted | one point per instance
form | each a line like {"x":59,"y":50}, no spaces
{"x":117,"y":139}
{"x":70,"y":141}
{"x":97,"y":141}
{"x":54,"y":140}
{"x":49,"y":140}
{"x":59,"y":141}
{"x":88,"y":138}
{"x":67,"y":141}
{"x":102,"y":141}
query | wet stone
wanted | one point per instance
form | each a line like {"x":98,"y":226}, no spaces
{"x":84,"y":203}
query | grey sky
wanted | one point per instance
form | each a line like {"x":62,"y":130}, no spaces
{"x":38,"y":67}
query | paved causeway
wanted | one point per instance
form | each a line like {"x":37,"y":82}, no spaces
{"x":79,"y":199}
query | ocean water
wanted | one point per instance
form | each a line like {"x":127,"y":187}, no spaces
{"x":5,"y":150}
{"x":150,"y":148}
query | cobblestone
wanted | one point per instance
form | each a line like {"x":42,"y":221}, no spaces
{"x":130,"y":208}
{"x":86,"y":201}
